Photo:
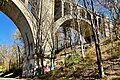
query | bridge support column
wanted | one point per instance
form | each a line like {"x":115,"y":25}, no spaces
{"x":97,"y":20}
{"x":98,"y":31}
{"x":26,"y":3}
{"x":78,"y":10}
{"x":92,"y":18}
{"x":71,"y":9}
{"x":62,"y":8}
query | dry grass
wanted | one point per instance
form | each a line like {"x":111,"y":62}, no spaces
{"x":87,"y":68}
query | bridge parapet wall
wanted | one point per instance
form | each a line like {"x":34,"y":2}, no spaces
{"x":66,"y":7}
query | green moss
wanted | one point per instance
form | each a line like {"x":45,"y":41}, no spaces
{"x":74,"y":58}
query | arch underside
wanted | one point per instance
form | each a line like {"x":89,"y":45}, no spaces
{"x":75,"y":23}
{"x":83,"y":26}
{"x":16,"y":15}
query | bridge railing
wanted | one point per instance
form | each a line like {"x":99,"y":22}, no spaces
{"x":77,"y":10}
{"x":71,"y":8}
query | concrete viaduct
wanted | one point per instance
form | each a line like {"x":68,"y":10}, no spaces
{"x":55,"y":12}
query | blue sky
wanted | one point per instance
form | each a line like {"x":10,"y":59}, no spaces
{"x":7,"y":28}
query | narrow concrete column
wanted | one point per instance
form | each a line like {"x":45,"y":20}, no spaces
{"x":92,"y":20}
{"x":62,"y":8}
{"x":26,"y":3}
{"x":98,"y":31}
{"x":71,"y":8}
{"x":97,"y":18}
{"x":78,"y":9}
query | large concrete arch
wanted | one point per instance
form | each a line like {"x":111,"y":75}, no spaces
{"x":62,"y":20}
{"x":24,"y":21}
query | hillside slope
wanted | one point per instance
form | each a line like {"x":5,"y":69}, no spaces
{"x":74,"y":67}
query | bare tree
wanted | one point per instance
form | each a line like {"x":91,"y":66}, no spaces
{"x":44,"y":32}
{"x":113,"y":7}
{"x":96,"y":39}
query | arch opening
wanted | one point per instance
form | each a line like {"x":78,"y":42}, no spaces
{"x":11,"y":45}
{"x":79,"y":25}
{"x":14,"y":12}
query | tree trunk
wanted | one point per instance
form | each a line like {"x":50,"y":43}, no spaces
{"x":65,"y":45}
{"x":98,"y":51}
{"x":82,"y":48}
{"x":96,"y":39}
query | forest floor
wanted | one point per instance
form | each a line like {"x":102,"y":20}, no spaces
{"x":72,"y":66}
